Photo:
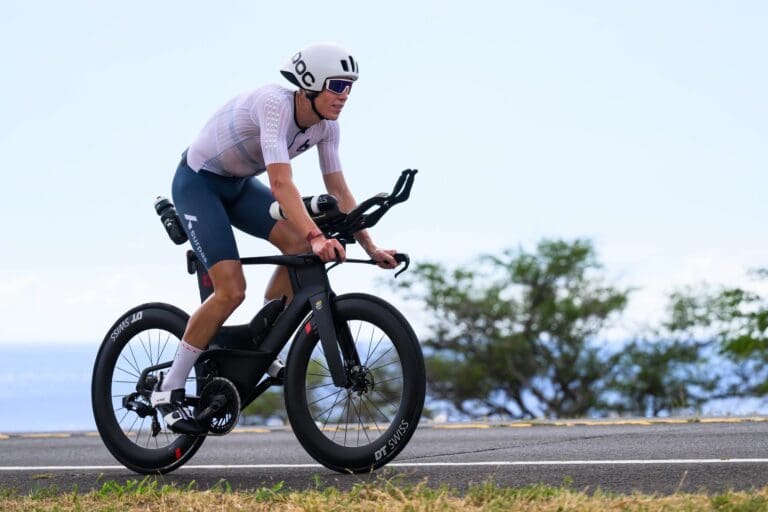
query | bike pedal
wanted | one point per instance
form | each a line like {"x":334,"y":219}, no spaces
{"x":140,"y":408}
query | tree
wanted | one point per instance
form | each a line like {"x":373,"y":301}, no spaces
{"x":712,"y":345}
{"x":732,"y":323}
{"x":515,"y":335}
{"x":661,"y":375}
{"x":269,"y":405}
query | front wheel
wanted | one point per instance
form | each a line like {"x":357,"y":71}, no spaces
{"x":364,"y":426}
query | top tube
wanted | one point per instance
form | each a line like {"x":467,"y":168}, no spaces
{"x":290,"y":260}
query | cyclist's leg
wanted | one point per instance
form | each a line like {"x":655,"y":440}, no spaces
{"x":200,"y":200}
{"x":285,"y":237}
{"x":250,"y":213}
{"x":228,"y":293}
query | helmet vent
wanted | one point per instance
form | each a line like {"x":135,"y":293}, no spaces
{"x":352,"y":61}
{"x":344,"y":65}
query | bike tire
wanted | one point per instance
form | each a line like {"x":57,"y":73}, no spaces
{"x":118,"y":366}
{"x":384,"y":435}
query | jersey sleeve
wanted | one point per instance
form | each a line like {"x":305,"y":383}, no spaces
{"x":273,"y":115}
{"x":328,"y":149}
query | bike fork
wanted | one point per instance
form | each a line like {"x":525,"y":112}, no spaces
{"x":322,"y":314}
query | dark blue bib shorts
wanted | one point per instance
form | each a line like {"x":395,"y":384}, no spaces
{"x":209,"y":205}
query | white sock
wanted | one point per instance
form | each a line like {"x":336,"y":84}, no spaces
{"x":185,"y":358}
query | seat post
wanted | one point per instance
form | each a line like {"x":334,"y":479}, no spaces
{"x":204,"y":283}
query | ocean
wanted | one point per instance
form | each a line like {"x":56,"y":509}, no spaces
{"x":46,"y":388}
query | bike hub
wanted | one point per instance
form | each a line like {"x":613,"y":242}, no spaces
{"x":361,"y":379}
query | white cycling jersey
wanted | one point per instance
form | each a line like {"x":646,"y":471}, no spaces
{"x":259,"y":128}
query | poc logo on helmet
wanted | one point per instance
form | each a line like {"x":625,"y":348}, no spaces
{"x":300,"y":67}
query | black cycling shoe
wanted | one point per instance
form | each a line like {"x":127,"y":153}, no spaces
{"x":171,"y":405}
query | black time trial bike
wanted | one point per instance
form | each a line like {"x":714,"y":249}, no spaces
{"x":354,"y":378}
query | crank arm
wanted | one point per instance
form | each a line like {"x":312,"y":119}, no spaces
{"x":216,"y":405}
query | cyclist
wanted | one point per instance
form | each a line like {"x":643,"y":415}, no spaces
{"x":215,"y":188}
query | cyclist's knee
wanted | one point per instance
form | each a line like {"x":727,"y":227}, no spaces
{"x":295,"y":244}
{"x":228,"y":283}
{"x":288,"y":240}
{"x":231,"y":296}
{"x":296,"y":247}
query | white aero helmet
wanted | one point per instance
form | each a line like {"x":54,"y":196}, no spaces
{"x":313,"y":65}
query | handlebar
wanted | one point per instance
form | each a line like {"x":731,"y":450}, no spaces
{"x":324,"y":210}
{"x":400,"y":257}
{"x":331,"y":221}
{"x":343,"y":226}
{"x":365,"y":215}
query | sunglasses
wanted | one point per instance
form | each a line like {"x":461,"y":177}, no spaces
{"x":338,"y":85}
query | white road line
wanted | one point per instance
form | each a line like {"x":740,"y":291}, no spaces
{"x":628,"y":462}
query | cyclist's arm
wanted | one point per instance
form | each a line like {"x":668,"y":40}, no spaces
{"x":337,"y":186}
{"x":286,"y":193}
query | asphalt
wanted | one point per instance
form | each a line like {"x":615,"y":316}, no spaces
{"x":713,"y":455}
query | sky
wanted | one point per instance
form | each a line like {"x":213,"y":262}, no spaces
{"x":639,"y":125}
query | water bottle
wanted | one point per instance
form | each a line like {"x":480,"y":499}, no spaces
{"x":316,"y":206}
{"x":169,"y":218}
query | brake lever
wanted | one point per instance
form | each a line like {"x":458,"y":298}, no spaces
{"x":336,"y":261}
{"x":402,"y":258}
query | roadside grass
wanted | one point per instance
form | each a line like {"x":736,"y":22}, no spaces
{"x":381,"y":495}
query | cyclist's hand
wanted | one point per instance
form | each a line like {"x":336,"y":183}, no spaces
{"x":385,"y":258}
{"x":328,"y":249}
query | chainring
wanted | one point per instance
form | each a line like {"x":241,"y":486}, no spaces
{"x":225,"y":419}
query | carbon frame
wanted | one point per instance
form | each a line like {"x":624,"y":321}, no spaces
{"x":233,"y":354}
